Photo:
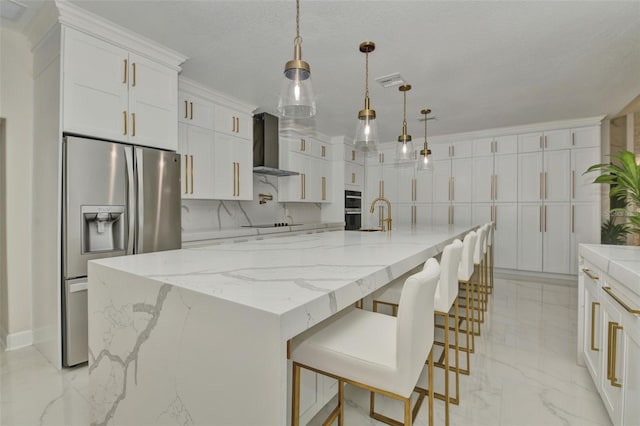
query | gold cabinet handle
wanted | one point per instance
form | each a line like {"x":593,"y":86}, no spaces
{"x":324,"y":151}
{"x":573,"y":184}
{"x":353,"y":178}
{"x":380,"y":190}
{"x":614,"y":355}
{"x":124,"y":120}
{"x":186,"y":109}
{"x":233,"y":127}
{"x":573,"y":138}
{"x":545,"y":186}
{"x":540,"y":141}
{"x":353,"y":155}
{"x":545,"y":141}
{"x":302,"y":186}
{"x":450,"y":188}
{"x":191,"y":174}
{"x":238,"y":128}
{"x":186,"y":174}
{"x":126,"y":69}
{"x":593,"y":325}
{"x":324,"y":188}
{"x":133,"y":84}
{"x":495,"y":218}
{"x":590,"y":274}
{"x":234,"y":179}
{"x":540,"y":218}
{"x":573,"y":219}
{"x":453,"y":188}
{"x":540,"y":185}
{"x":495,"y":187}
{"x":545,"y":218}
{"x":238,"y":174}
{"x":133,"y":124}
{"x":609,"y":327}
{"x":621,"y":302}
{"x":190,"y":110}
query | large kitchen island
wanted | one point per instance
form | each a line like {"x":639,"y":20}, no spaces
{"x":199,"y":335}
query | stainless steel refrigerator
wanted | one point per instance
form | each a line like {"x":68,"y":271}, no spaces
{"x":118,"y":200}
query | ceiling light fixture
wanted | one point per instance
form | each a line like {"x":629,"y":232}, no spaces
{"x":424,"y":162}
{"x":296,"y":95}
{"x":366,"y":130}
{"x":404,"y":149}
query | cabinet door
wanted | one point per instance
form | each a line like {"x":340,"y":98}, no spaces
{"x":225,"y":169}
{"x":585,"y":228}
{"x":404,"y":184}
{"x":530,"y":177}
{"x":424,"y":214}
{"x":321,"y":150}
{"x":483,"y":179}
{"x":505,"y":169}
{"x":557,"y":139}
{"x":292,"y":188}
{"x":556,"y":250}
{"x":196,"y":111}
{"x":530,"y":142}
{"x":631,"y":379}
{"x":243,"y":156}
{"x":592,"y":330}
{"x":442,"y":181}
{"x":582,"y":186}
{"x":95,"y":87}
{"x":390,"y":182}
{"x":585,"y":137}
{"x":461,"y":214}
{"x":197,"y":161}
{"x":440,"y":151}
{"x":351,"y":154}
{"x":483,"y":147}
{"x":614,"y":342}
{"x":482,"y":213}
{"x":462,"y":173}
{"x":529,"y":236}
{"x":233,"y":122}
{"x":462,"y":149}
{"x":402,"y":215}
{"x":424,"y":186}
{"x":441,"y":214}
{"x":506,"y":144}
{"x":353,"y":176}
{"x":557,"y":175}
{"x":373,"y":184}
{"x":505,"y":215}
{"x":153,"y":90}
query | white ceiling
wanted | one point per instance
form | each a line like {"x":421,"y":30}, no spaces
{"x":477,"y":65}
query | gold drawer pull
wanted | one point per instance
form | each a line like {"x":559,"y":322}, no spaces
{"x":621,"y":302}
{"x":590,"y":274}
{"x":593,"y":325}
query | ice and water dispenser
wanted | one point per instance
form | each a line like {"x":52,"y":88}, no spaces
{"x":103,"y":228}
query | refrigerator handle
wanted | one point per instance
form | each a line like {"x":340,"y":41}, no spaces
{"x":140,"y":202}
{"x":131,"y":198}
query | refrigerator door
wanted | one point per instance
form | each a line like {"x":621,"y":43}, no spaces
{"x":74,"y":322}
{"x":96,"y":219}
{"x":159,"y":216}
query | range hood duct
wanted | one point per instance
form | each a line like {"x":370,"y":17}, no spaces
{"x":266,"y":155}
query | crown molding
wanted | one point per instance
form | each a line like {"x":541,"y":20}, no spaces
{"x":75,"y":17}
{"x":191,"y":86}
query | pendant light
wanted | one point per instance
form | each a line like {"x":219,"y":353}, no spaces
{"x":424,"y":161}
{"x":366,"y":130}
{"x":296,"y":95}
{"x":404,"y":149}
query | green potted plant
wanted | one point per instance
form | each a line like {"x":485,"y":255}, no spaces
{"x":624,"y":181}
{"x":613,"y":233}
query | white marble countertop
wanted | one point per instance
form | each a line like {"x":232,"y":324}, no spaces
{"x":302,"y":278}
{"x":622,"y":263}
{"x":230,"y":233}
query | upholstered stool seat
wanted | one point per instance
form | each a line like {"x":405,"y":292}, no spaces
{"x":380,"y":353}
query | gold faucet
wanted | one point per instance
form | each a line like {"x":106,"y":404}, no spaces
{"x":388,"y":220}
{"x":264,"y":198}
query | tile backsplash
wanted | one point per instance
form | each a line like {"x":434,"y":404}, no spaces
{"x":215,"y":215}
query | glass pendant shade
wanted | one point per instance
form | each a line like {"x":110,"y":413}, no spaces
{"x":424,"y":159}
{"x":404,"y":147}
{"x":296,"y":93}
{"x":366,"y":128}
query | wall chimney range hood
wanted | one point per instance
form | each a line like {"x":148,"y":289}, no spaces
{"x":266,"y":155}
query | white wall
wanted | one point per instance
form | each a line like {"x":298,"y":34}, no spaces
{"x":16,"y":107}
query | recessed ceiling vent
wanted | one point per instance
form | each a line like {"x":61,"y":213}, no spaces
{"x":391,"y":80}
{"x":12,"y":10}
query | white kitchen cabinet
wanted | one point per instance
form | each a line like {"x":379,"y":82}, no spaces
{"x":424,"y":187}
{"x":196,"y":149}
{"x":505,"y":170}
{"x":611,"y":391}
{"x":440,"y":151}
{"x":556,"y":248}
{"x":441,"y":214}
{"x":402,"y":215}
{"x":482,"y":213}
{"x":196,"y":110}
{"x":461,"y":214}
{"x":311,"y":158}
{"x":442,"y":181}
{"x":582,"y":187}
{"x":354,"y":175}
{"x":592,"y":348}
{"x":505,"y":216}
{"x":530,"y":177}
{"x":631,"y":379}
{"x":530,"y":142}
{"x":530,"y":236}
{"x":585,"y":228}
{"x":115,"y":94}
{"x":403,"y":183}
{"x":557,"y":139}
{"x":585,"y":137}
{"x":557,"y":176}
{"x":483,"y":179}
{"x":353,"y":155}
{"x":233,"y":166}
{"x":423,"y":214}
{"x":233,"y":122}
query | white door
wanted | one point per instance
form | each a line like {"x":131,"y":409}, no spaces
{"x":483,"y":179}
{"x":529,"y":236}
{"x":557,"y":176}
{"x":442,"y":181}
{"x":198,"y":167}
{"x":505,"y":169}
{"x":462,"y":184}
{"x":585,"y":228}
{"x":95,"y":87}
{"x":153,"y":90}
{"x":505,"y":215}
{"x":582,"y":186}
{"x":530,"y":177}
{"x":556,"y":248}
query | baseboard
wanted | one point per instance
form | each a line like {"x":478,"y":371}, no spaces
{"x":547,"y":278}
{"x":14,"y":341}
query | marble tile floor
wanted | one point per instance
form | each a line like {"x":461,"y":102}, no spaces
{"x":524,"y":373}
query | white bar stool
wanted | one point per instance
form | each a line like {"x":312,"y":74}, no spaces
{"x":478,"y":257}
{"x":465,"y":277}
{"x":490,"y":240}
{"x":379,"y":353}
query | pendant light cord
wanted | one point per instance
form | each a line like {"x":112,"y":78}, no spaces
{"x":404,"y":116}
{"x":366,"y":76}
{"x":298,"y":39}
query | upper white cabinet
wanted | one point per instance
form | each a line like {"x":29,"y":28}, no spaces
{"x":116,"y":94}
{"x":216,"y":137}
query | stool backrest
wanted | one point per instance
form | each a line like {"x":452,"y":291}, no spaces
{"x":487,"y":227}
{"x":491,"y":233}
{"x":466,"y":262}
{"x":447,"y":290}
{"x":415,"y":324}
{"x":478,"y":252}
